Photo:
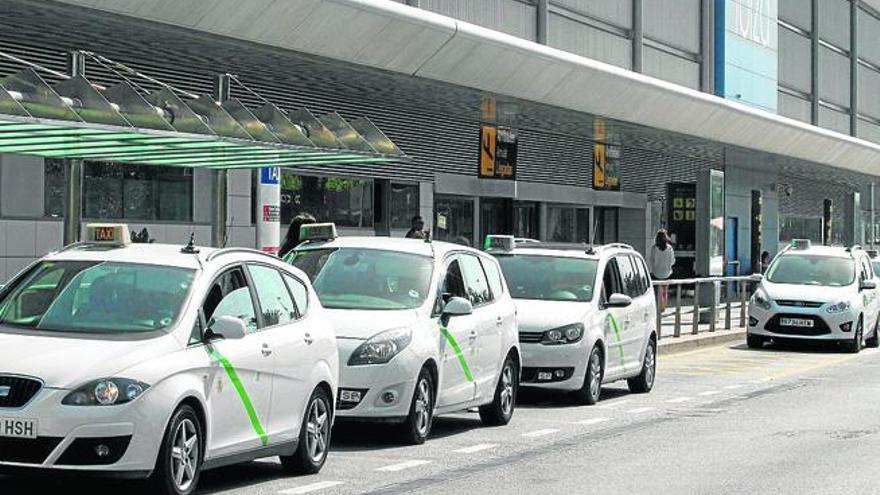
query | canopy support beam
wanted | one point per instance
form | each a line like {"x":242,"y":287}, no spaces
{"x":73,"y":171}
{"x":219,"y":232}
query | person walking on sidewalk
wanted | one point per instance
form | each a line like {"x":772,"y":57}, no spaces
{"x":660,"y":260}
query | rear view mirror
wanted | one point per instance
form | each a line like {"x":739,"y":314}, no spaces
{"x":868,"y":285}
{"x":618,"y":301}
{"x":226,"y":327}
{"x":457,"y":306}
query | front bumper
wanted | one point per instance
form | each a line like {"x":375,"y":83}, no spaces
{"x":570,"y":359}
{"x":128,"y":435}
{"x":376,"y":383}
{"x":826,"y":326}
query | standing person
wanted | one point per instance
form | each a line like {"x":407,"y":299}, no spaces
{"x":417,"y":228}
{"x":765,"y":261}
{"x":661,"y":259}
{"x":291,"y":240}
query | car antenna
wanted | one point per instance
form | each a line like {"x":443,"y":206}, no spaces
{"x":190,"y":247}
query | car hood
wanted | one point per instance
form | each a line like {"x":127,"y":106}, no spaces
{"x":363,"y":324}
{"x":813,"y":293}
{"x":64,"y":362}
{"x":538,"y":316}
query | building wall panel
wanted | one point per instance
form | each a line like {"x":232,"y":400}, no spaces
{"x":508,"y":16}
{"x":834,"y":22}
{"x":616,"y":12}
{"x":794,"y":107}
{"x":797,"y":13}
{"x":582,"y":39}
{"x":674,"y":22}
{"x":834,"y":77}
{"x":670,"y":67}
{"x":794,"y":60}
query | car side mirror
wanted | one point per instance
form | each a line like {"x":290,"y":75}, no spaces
{"x":457,"y":306}
{"x":867,"y":285}
{"x":618,"y":301}
{"x":226,"y":327}
{"x":756,"y":277}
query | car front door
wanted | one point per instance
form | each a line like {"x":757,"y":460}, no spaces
{"x":457,"y":342}
{"x":613,"y":318}
{"x":869,"y":296}
{"x":288,"y":339}
{"x":489,"y":322}
{"x":240,"y":371}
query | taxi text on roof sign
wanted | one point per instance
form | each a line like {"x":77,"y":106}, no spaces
{"x":317,"y":232}
{"x":503,"y":243}
{"x":110,"y":234}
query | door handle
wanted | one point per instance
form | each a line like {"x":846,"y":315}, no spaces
{"x":266,"y":350}
{"x":473,"y":336}
{"x":308,"y":339}
{"x":499,"y":321}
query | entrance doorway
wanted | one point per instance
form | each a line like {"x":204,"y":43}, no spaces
{"x":454,"y":219}
{"x":607,"y":229}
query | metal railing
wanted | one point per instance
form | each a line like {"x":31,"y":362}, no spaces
{"x":737,"y":289}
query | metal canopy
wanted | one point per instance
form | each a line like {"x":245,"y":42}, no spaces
{"x":77,"y":119}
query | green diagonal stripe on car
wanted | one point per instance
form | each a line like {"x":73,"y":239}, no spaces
{"x":616,"y":329}
{"x":242,"y":393}
{"x":460,"y":355}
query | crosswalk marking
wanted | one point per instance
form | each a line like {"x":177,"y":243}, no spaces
{"x":540,"y":433}
{"x":321,"y":485}
{"x":476,"y":448}
{"x":401,"y":466}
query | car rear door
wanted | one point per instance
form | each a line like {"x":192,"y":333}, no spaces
{"x":489,"y":321}
{"x":632,"y":323}
{"x":457,"y":341}
{"x":613,"y":319}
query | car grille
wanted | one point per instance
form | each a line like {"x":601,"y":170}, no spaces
{"x":530,"y":337}
{"x":819,"y":326}
{"x":21,"y":390}
{"x":26,"y":450}
{"x":798,"y":304}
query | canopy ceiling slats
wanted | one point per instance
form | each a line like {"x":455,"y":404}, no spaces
{"x":78,"y":120}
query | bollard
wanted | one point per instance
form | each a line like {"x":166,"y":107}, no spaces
{"x":696,"y":323}
{"x":713,"y":310}
{"x":677,"y":329}
{"x":659,"y":315}
{"x":742,"y":303}
{"x":727,"y":310}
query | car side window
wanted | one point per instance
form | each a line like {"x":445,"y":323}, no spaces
{"x":276,"y":304}
{"x":610,"y":280}
{"x":230,"y":295}
{"x":493,"y":274}
{"x":300,"y":294}
{"x":641,"y":274}
{"x":867,"y":271}
{"x":627,"y":276}
{"x":475,"y":280}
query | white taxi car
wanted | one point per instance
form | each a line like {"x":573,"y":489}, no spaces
{"x":423,"y":328}
{"x":148,"y":360}
{"x":817,"y":293}
{"x":577,"y":329}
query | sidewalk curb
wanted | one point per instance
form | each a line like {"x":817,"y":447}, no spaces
{"x":671,"y":345}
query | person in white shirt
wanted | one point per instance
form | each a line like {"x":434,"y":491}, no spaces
{"x":660,"y":260}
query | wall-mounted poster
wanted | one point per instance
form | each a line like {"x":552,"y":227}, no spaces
{"x":606,"y":160}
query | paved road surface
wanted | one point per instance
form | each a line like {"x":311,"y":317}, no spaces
{"x":800,"y":420}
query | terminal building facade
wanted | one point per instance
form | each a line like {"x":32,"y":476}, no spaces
{"x":736,"y":124}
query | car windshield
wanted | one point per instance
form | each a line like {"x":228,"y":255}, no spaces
{"x":549,"y":278}
{"x":372,"y":279}
{"x":876,"y":265}
{"x":812,"y":270}
{"x":96,"y":297}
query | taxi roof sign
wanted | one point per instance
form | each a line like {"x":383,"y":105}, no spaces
{"x":872,"y":253}
{"x":502,"y":243}
{"x":317,"y":232}
{"x":800,"y":244}
{"x":106,"y":234}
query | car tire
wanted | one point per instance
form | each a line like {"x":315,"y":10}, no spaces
{"x":179,"y":463}
{"x":314,"y":436}
{"x":644,"y":381}
{"x":754,"y":341}
{"x":874,"y":341}
{"x":417,"y":427}
{"x":592,"y":388}
{"x":855,"y":346}
{"x":500,"y":410}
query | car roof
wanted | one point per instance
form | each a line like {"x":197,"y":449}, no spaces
{"x":153,"y":254}
{"x":559,"y":253}
{"x":829,"y":251}
{"x":403,"y":245}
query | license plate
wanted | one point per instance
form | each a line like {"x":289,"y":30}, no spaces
{"x":18,"y":428}
{"x":350,"y":396}
{"x":796,"y":322}
{"x":544,"y":375}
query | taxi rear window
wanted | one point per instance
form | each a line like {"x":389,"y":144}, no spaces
{"x":549,"y":278}
{"x":96,"y":297}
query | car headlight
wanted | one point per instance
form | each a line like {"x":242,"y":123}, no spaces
{"x":761,"y":300}
{"x":568,"y":334}
{"x":838,"y":308}
{"x":106,"y":392}
{"x":381,"y":348}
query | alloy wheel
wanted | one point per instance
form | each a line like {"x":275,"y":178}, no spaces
{"x":423,"y":407}
{"x":507,"y":392}
{"x":318,"y":430}
{"x":185,"y":455}
{"x":595,"y":374}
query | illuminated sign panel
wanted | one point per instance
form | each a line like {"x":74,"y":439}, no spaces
{"x":747,"y":52}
